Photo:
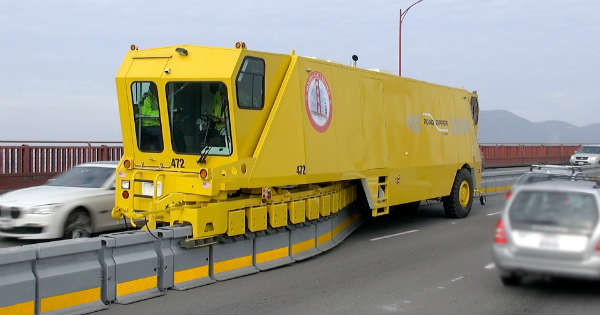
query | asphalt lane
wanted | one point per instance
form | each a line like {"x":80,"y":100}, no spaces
{"x":426,"y":264}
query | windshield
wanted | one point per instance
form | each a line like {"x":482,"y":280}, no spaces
{"x":561,"y":209}
{"x":199,"y":117}
{"x":589,"y":150}
{"x":147,"y":116}
{"x":85,"y":177}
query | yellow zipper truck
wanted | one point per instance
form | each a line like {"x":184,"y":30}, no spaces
{"x":234,"y":141}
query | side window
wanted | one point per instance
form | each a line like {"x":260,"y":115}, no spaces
{"x":250,"y":84}
{"x":475,"y":109}
{"x":148,"y":130}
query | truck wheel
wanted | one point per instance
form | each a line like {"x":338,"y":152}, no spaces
{"x":78,"y":225}
{"x":458,"y":203}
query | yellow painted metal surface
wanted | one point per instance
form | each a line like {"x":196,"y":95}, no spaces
{"x":272,"y":255}
{"x":25,"y":308}
{"x":325,"y":205}
{"x":190,"y":274}
{"x":237,"y":223}
{"x":135,"y":286}
{"x":312,"y":208}
{"x":257,"y":218}
{"x":232,"y":264}
{"x":297,"y":211}
{"x":323,"y":127}
{"x":71,"y":299}
{"x":303,"y":246}
{"x":278,"y":215}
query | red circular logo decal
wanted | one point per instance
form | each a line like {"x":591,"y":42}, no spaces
{"x":317,"y":100}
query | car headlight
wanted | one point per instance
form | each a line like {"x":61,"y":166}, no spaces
{"x":594,"y":159}
{"x":44,"y":209}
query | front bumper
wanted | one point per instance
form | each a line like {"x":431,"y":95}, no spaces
{"x":31,"y":227}
{"x":505,"y":261}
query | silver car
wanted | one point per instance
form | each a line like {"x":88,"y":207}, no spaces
{"x":75,"y":204}
{"x":586,"y":155}
{"x":543,"y":172}
{"x":549,"y":228}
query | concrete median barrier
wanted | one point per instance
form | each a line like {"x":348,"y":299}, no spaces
{"x":136,"y":265}
{"x":324,"y":234}
{"x":272,"y":249}
{"x":17,"y":280}
{"x":191,"y":266}
{"x":303,"y":241}
{"x":69,"y":277}
{"x":232,"y":259}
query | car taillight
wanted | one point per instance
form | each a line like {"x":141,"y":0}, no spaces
{"x":125,"y":194}
{"x":598,"y":246}
{"x":508,"y":194}
{"x":500,"y":236}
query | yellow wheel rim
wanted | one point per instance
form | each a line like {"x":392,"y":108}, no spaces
{"x":464,"y":194}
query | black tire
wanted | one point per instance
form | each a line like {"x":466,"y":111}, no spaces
{"x":410,"y":209}
{"x":452,"y":205}
{"x":78,"y":224}
{"x":510,"y":280}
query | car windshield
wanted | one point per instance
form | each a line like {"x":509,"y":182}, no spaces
{"x":84,"y":176}
{"x":589,"y":150}
{"x":561,"y":209}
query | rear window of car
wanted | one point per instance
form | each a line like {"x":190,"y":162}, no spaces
{"x":84,"y":177}
{"x":561,"y":209}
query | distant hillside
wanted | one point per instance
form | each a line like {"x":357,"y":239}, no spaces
{"x":500,"y":126}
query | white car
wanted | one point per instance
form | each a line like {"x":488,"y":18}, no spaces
{"x":586,"y":155}
{"x":74,"y":204}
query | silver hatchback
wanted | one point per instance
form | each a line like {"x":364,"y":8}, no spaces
{"x":549,"y":228}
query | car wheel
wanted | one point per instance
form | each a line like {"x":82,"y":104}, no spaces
{"x":510,"y":280}
{"x":458,"y":203}
{"x":79,"y":224}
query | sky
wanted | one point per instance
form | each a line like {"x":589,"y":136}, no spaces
{"x":537,"y":59}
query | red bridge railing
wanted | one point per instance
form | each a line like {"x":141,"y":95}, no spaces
{"x":505,"y":155}
{"x":28,"y":163}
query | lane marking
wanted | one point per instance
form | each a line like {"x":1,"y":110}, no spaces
{"x":490,"y":266}
{"x":393,"y":235}
{"x":457,"y":278}
{"x":494,"y":213}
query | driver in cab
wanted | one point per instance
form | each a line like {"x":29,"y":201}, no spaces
{"x":216,"y":111}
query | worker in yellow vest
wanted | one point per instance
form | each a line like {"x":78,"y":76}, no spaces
{"x":150,"y":134}
{"x":149,"y":110}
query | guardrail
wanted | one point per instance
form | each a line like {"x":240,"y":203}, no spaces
{"x":86,"y":275}
{"x":500,"y":180}
{"x":502,"y":155}
{"x":28,"y":163}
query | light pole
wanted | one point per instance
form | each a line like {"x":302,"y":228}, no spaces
{"x":402,"y":15}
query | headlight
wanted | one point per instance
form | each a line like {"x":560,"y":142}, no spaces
{"x":45,"y":209}
{"x":124,"y":184}
{"x":594,"y":159}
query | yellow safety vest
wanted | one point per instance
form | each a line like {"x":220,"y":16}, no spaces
{"x":149,"y":110}
{"x":217,"y":107}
